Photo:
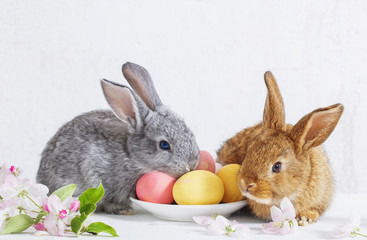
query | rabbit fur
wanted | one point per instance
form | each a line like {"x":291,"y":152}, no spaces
{"x":118,"y":146}
{"x":280,"y":160}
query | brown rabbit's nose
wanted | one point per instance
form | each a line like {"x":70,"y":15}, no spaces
{"x":244,"y":185}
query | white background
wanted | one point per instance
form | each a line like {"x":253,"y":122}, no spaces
{"x":207,"y":59}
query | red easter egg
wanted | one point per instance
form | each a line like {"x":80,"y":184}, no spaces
{"x":155,"y":187}
{"x":206,"y":162}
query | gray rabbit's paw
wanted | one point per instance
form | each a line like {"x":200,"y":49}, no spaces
{"x":113,"y":208}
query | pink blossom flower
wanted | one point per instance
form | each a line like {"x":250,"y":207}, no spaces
{"x":54,"y":205}
{"x":348,"y":229}
{"x":12,"y":187}
{"x":74,"y":205}
{"x":62,"y":211}
{"x":343,"y":230}
{"x":219,"y":225}
{"x":284,"y":221}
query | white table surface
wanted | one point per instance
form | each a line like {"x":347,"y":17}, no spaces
{"x":143,"y":225}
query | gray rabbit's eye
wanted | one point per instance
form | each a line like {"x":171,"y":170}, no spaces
{"x":164,"y":145}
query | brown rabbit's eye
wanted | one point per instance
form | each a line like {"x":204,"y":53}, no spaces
{"x":277,"y":167}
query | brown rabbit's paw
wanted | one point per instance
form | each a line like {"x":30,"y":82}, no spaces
{"x":307,"y":217}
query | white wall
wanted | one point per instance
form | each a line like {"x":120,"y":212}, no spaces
{"x":207,"y":58}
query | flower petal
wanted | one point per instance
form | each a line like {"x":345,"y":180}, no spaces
{"x":271,"y":228}
{"x":288,"y":214}
{"x":38,"y":190}
{"x":53,"y":204}
{"x":203,"y":220}
{"x":276,"y":214}
{"x":45,"y":205}
{"x":294,"y":226}
{"x":342,"y":230}
{"x":218,"y":227}
{"x":285,"y":229}
{"x":67,"y":202}
{"x":288,"y":209}
{"x":222,"y":222}
{"x":50,"y":224}
{"x":7,"y":191}
{"x":214,"y":229}
{"x":28,"y":205}
{"x":2,"y":205}
{"x":11,"y":181}
{"x":242,"y":231}
{"x":218,"y":166}
{"x":60,"y":228}
{"x":54,"y":226}
{"x":355,"y":219}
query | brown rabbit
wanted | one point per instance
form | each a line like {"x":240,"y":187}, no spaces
{"x":280,"y":160}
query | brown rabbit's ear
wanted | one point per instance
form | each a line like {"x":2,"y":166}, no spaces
{"x":314,"y":128}
{"x":274,"y":114}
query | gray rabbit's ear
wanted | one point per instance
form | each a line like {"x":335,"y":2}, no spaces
{"x":274,"y":114}
{"x":140,"y":80}
{"x":314,"y":128}
{"x":122,"y":101}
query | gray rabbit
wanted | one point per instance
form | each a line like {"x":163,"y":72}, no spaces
{"x":116,"y":147}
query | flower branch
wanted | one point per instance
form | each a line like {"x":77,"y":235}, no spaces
{"x":24,"y":204}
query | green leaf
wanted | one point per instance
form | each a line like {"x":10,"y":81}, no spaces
{"x":91,"y":195}
{"x":77,"y":223}
{"x":88,"y":209}
{"x":17,"y":224}
{"x":99,"y":227}
{"x":64,"y":192}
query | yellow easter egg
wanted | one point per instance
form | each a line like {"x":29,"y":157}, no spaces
{"x":198,"y":187}
{"x":228,"y":175}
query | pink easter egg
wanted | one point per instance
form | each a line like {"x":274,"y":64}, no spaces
{"x":206,"y":162}
{"x":155,"y":187}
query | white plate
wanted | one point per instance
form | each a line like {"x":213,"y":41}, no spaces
{"x":174,"y":212}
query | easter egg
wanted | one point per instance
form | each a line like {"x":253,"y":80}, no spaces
{"x":228,"y":175}
{"x":155,"y":187}
{"x":206,"y":162}
{"x":198,"y":187}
